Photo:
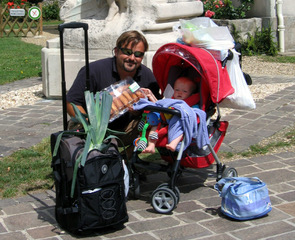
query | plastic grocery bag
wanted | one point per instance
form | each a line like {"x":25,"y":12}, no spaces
{"x":242,"y":97}
{"x":202,"y":32}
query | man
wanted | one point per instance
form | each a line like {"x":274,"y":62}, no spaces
{"x":128,"y":55}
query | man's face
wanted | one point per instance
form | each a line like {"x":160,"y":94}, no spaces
{"x":128,"y":58}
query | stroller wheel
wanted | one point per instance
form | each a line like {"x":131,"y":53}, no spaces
{"x":176,"y":190}
{"x":164,"y":200}
{"x":229,"y":172}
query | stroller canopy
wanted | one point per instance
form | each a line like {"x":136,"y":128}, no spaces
{"x":215,"y":79}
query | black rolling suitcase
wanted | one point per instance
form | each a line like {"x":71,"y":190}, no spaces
{"x":89,"y":196}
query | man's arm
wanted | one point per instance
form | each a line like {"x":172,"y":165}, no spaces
{"x":71,"y":111}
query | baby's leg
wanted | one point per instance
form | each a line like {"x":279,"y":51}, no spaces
{"x":173,"y":144}
{"x":153,"y":138}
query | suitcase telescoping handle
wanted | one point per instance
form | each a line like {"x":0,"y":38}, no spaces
{"x":61,"y":28}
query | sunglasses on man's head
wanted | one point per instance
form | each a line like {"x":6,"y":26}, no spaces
{"x":129,"y":52}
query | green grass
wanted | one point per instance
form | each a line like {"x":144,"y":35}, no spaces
{"x":278,"y":59}
{"x":18,"y":60}
{"x":26,"y":171}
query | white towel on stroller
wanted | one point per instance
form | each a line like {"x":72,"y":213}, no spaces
{"x":187,"y":124}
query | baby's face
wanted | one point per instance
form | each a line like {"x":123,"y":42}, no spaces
{"x":183,"y":89}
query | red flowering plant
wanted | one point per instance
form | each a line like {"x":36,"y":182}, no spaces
{"x":15,"y":3}
{"x":225,"y":9}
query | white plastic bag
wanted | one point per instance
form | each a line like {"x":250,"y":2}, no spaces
{"x":242,"y":97}
{"x":202,"y":32}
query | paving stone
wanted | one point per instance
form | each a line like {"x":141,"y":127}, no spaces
{"x":281,"y":187}
{"x":19,"y":208}
{"x":194,"y":216}
{"x":285,"y":236}
{"x":223,"y":225}
{"x":137,"y":205}
{"x":26,"y":220}
{"x":264,"y":132}
{"x":144,"y":236}
{"x":290,"y":162}
{"x":277,"y":176}
{"x":264,"y":159}
{"x":133,"y":217}
{"x":196,"y":193}
{"x":155,"y":224}
{"x":241,"y":163}
{"x":212,"y":201}
{"x":184,"y":207}
{"x":288,"y":208}
{"x":275,"y":200}
{"x":271,"y":165}
{"x":111,"y":233}
{"x":243,"y":171}
{"x":273,"y":216}
{"x":219,"y":237}
{"x":44,"y":232}
{"x":7,"y":202}
{"x":263,"y":231}
{"x":13,"y":235}
{"x":191,"y":231}
{"x":288,"y":196}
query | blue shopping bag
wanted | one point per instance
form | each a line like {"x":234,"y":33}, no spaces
{"x":243,"y":198}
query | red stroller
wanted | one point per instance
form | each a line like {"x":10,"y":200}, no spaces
{"x":214,"y":85}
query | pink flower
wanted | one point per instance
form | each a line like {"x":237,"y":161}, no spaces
{"x":216,"y":6}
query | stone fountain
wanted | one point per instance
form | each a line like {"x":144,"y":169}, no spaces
{"x":107,"y":19}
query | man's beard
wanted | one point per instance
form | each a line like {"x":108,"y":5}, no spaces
{"x":129,"y":68}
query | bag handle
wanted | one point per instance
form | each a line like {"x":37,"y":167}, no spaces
{"x":223,"y":184}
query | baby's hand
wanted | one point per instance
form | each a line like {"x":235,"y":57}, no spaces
{"x":149,"y":94}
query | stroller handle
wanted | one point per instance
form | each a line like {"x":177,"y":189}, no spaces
{"x":163,"y":110}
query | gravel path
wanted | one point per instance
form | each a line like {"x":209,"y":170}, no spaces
{"x":251,"y":65}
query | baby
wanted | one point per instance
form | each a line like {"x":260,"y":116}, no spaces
{"x":184,"y":87}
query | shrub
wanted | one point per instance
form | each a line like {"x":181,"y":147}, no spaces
{"x":50,"y":11}
{"x":224,"y":9}
{"x":260,"y":43}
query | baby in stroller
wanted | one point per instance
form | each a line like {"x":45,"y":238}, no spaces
{"x":184,"y":87}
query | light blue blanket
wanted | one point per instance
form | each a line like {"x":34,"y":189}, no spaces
{"x":186,"y":125}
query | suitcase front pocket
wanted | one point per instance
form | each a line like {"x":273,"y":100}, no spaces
{"x":100,"y":206}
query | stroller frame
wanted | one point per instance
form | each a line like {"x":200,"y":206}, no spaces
{"x":167,"y":195}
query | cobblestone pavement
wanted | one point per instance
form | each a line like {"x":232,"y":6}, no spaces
{"x":197,"y":215}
